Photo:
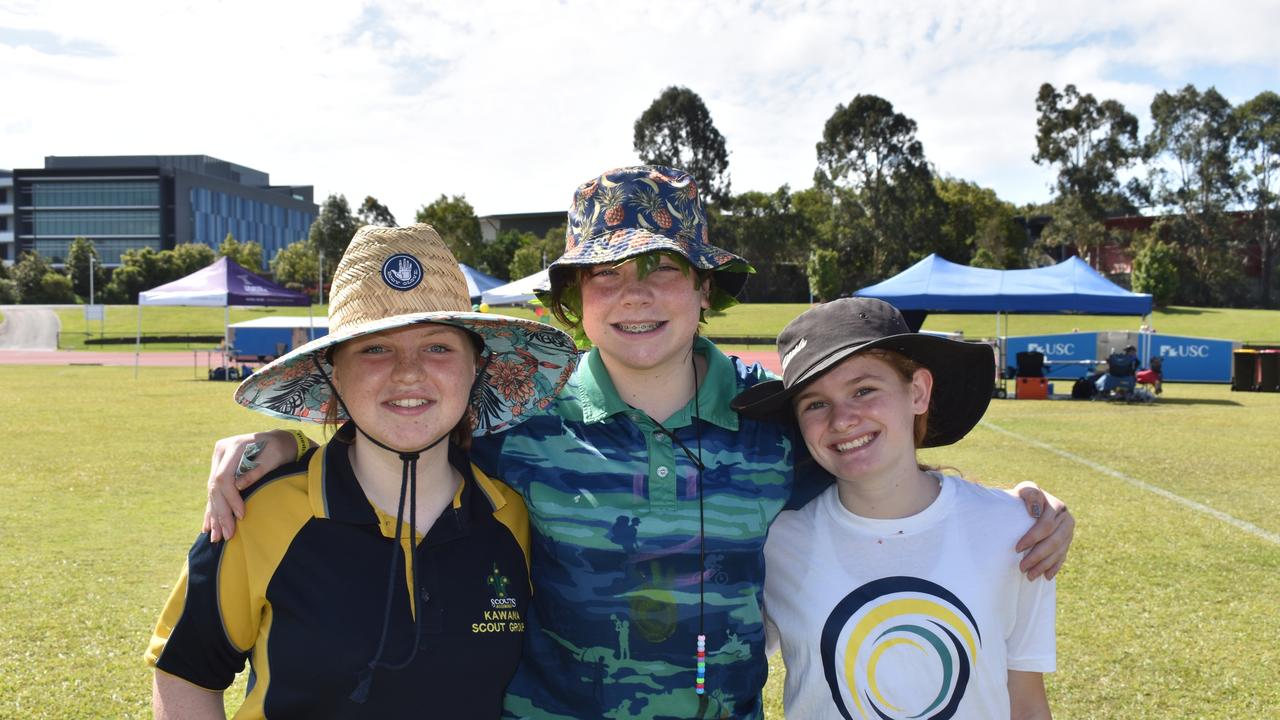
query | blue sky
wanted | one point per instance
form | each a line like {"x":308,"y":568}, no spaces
{"x":514,"y":103}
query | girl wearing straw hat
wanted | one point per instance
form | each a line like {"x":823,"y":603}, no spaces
{"x":650,"y":498}
{"x":896,"y":593}
{"x":381,"y":573}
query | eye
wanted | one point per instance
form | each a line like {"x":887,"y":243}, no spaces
{"x":863,"y":391}
{"x":813,"y":405}
{"x":373,"y":350}
{"x":439,"y":348}
{"x":603,"y":272}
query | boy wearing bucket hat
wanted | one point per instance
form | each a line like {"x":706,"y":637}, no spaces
{"x":896,"y":593}
{"x":341,"y":607}
{"x":649,"y":497}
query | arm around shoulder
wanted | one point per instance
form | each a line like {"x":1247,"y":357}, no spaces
{"x":225,"y":506}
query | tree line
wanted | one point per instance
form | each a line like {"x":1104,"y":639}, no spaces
{"x":34,"y":280}
{"x":1206,"y":170}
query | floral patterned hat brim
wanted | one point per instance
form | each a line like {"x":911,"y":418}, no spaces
{"x":617,"y":245}
{"x":526,"y":363}
{"x":631,"y":211}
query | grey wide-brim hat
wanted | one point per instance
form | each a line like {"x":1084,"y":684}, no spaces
{"x":393,"y":277}
{"x":823,"y":336}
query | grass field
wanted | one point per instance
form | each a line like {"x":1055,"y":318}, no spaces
{"x":762,"y":320}
{"x":1164,"y":610}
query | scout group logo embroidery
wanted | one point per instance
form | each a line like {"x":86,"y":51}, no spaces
{"x":497,"y":583}
{"x":402,"y":271}
{"x":897,"y":648}
{"x":504,"y":615}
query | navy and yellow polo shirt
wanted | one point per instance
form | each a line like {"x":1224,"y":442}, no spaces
{"x":300,"y":591}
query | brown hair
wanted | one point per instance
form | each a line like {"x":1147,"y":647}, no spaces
{"x":906,"y":369}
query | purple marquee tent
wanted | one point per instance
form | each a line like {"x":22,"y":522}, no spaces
{"x":222,"y":284}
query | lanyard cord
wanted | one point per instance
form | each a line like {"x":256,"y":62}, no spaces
{"x":409,"y":483}
{"x":701,"y":681}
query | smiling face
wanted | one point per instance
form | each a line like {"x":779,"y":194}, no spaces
{"x":642,"y":323}
{"x":859,"y":418}
{"x":407,"y":386}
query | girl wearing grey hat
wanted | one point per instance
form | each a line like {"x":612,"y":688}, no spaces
{"x":896,"y":592}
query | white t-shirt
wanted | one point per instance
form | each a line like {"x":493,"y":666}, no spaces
{"x":917,"y":617}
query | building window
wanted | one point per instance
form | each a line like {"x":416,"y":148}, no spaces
{"x":130,"y":193}
{"x":215,"y":214}
{"x":96,"y":222}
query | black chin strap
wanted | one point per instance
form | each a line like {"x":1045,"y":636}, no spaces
{"x":409,"y":484}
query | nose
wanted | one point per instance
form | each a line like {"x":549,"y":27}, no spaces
{"x":408,"y":367}
{"x":636,"y":291}
{"x":844,"y":415}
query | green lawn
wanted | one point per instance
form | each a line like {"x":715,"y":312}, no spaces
{"x":766,"y":319}
{"x":757,"y":320}
{"x":122,"y":321}
{"x":1164,"y":611}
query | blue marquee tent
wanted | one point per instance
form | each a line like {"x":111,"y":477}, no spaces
{"x":940,"y":286}
{"x":478,"y":282}
{"x":1071,"y":286}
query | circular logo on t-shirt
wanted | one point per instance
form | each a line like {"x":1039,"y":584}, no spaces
{"x":899,"y":647}
{"x":402,"y":271}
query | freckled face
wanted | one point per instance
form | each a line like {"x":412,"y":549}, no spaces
{"x":858,"y":419}
{"x":642,"y":323}
{"x":408,"y":386}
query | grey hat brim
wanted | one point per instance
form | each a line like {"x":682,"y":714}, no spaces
{"x":963,"y":378}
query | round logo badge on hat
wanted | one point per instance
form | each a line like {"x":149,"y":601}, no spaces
{"x":402,"y":271}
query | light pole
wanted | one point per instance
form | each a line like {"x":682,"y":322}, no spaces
{"x":320,"y":280}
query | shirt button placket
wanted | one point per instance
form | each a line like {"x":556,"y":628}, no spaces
{"x":662,"y":479}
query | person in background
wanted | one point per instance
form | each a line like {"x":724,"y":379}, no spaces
{"x":649,"y":497}
{"x":897,"y":592}
{"x":341,"y":607}
{"x":1122,"y":370}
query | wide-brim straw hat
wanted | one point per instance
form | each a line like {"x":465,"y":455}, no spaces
{"x":823,"y":336}
{"x":393,"y":277}
{"x":631,"y":211}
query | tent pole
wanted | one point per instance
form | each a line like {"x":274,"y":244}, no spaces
{"x":226,"y":333}
{"x":137,"y":343}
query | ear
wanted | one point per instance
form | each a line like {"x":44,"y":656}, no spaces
{"x":334,"y":363}
{"x":333,"y":377}
{"x":704,"y":289}
{"x":921,"y":390}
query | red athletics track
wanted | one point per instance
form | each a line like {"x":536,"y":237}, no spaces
{"x":767,"y":358}
{"x":183,"y":358}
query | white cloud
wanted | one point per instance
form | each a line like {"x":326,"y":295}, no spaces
{"x":514,"y":103}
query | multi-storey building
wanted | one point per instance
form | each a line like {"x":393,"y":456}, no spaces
{"x":155,"y":201}
{"x":6,"y":217}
